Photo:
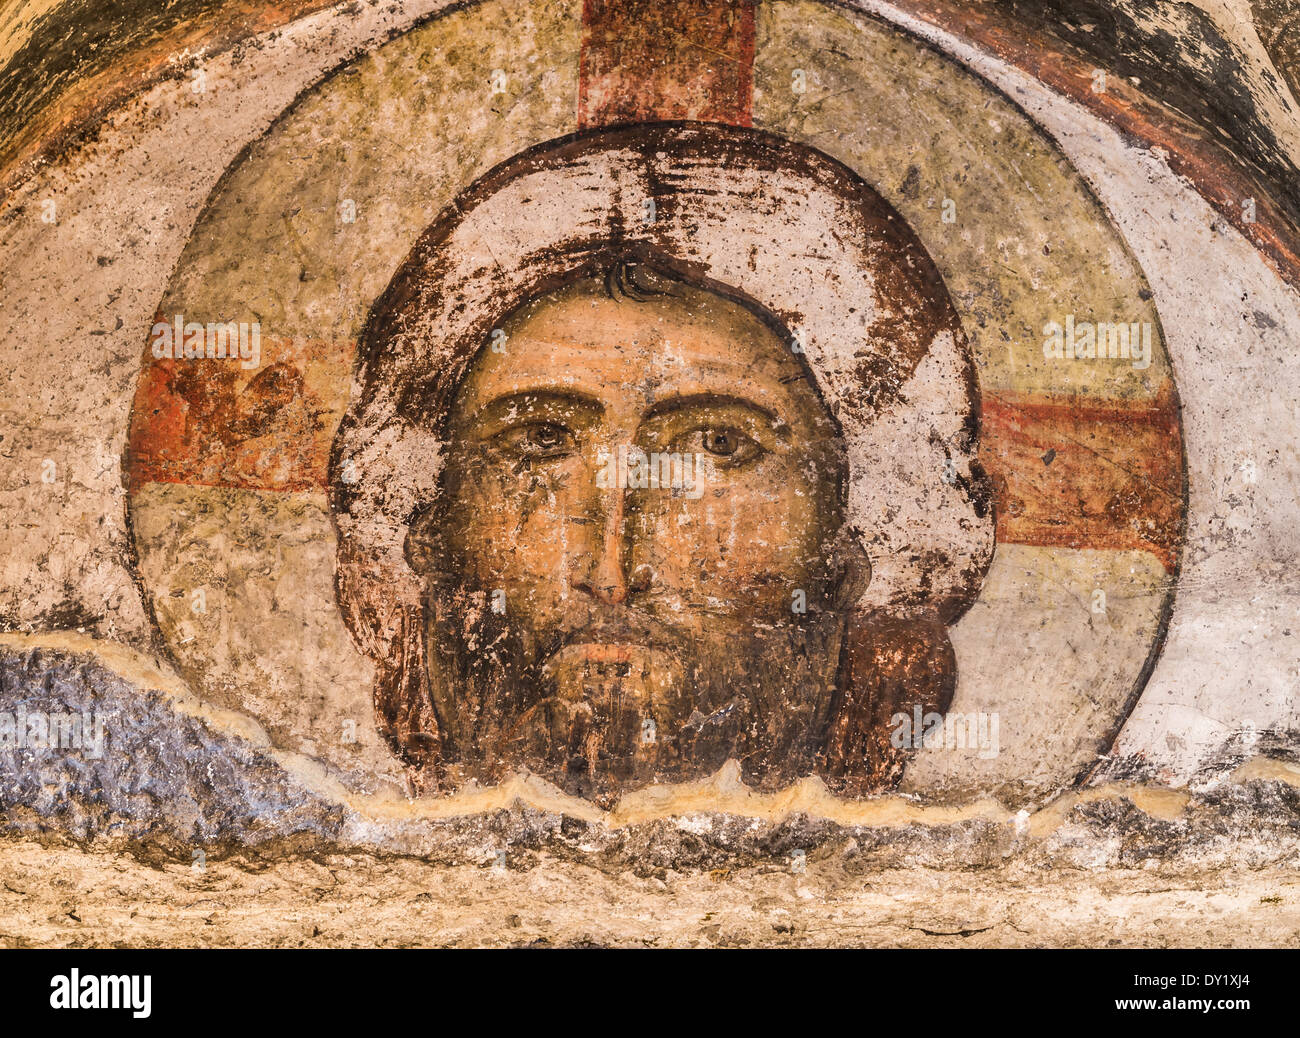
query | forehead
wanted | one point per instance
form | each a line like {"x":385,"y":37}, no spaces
{"x":630,"y":353}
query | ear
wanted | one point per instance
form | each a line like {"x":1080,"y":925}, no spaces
{"x":851,"y":570}
{"x":423,"y":546}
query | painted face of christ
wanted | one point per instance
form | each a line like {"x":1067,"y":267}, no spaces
{"x":603,"y":627}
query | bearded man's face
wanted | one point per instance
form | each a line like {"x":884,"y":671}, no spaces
{"x":606,"y":635}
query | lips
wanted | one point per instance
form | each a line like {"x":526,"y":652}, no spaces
{"x":626,"y":630}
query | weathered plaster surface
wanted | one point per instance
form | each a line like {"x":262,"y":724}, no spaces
{"x":86,"y":576}
{"x":1201,"y":785}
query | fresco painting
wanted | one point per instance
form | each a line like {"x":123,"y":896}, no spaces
{"x":663,"y":436}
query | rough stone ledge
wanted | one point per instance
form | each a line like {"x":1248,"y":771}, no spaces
{"x":76,"y":897}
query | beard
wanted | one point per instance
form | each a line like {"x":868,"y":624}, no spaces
{"x":612,"y":697}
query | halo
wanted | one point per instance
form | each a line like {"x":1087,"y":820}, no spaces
{"x":311,"y":221}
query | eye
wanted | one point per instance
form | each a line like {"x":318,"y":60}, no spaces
{"x":547,"y":437}
{"x":538,"y":440}
{"x":723,"y":442}
{"x":726,"y":444}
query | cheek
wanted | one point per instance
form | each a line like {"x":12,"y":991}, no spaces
{"x":752,"y":540}
{"x":516,"y":531}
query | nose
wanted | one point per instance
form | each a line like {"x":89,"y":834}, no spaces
{"x":601,"y":570}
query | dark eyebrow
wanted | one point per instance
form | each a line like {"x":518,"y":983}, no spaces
{"x":680,"y":403}
{"x":535,"y":399}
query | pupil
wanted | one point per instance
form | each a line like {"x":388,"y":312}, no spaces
{"x":719,"y":443}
